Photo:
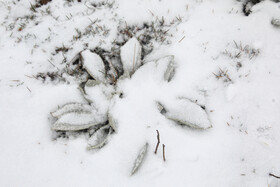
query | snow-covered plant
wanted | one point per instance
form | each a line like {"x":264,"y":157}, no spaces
{"x":102,"y":93}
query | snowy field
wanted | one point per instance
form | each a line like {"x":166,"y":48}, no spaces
{"x":201,"y":72}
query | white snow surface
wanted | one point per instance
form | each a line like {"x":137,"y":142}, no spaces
{"x":100,"y":96}
{"x":241,"y":148}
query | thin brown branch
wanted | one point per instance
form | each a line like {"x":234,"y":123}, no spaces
{"x":151,"y":12}
{"x":182,"y":39}
{"x":158,"y":139}
{"x":163,"y":152}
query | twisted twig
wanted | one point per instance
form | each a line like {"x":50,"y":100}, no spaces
{"x":157,"y":142}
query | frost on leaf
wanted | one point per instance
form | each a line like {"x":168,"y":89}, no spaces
{"x":99,"y":138}
{"x":131,"y":56}
{"x":94,"y":65}
{"x":76,"y":121}
{"x":187,"y":112}
{"x":72,"y":108}
{"x":139,"y":158}
{"x":168,"y":62}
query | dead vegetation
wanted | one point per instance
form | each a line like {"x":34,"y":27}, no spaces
{"x":163,"y":152}
{"x":240,"y":55}
{"x":158,"y":142}
{"x":223,"y":75}
{"x":146,"y":33}
{"x":150,"y":34}
{"x":240,"y":50}
{"x":163,"y":147}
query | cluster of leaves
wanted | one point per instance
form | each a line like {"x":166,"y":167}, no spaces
{"x":147,"y":34}
{"x":96,"y":119}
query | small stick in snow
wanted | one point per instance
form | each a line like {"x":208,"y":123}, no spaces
{"x":182,"y":39}
{"x":51,"y":63}
{"x":272,"y":175}
{"x":151,"y":12}
{"x":163,"y":152}
{"x":28,"y":89}
{"x":157,"y":142}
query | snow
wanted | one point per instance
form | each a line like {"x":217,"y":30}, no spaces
{"x":240,"y":149}
{"x":100,"y":96}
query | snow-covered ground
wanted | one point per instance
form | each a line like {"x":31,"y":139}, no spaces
{"x":227,"y":61}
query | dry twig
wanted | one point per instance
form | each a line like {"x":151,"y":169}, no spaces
{"x":163,"y":152}
{"x":272,"y":175}
{"x":158,"y":139}
{"x":182,"y":39}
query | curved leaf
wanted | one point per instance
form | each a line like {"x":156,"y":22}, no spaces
{"x":70,"y":108}
{"x":186,"y":112}
{"x":100,"y":138}
{"x":78,"y":121}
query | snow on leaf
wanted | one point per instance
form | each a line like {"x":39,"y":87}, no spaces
{"x":94,"y":65}
{"x":131,"y":56}
{"x":99,"y":138}
{"x":139,"y":158}
{"x":166,"y":66}
{"x":78,"y":121}
{"x":186,"y":112}
{"x":163,"y":69}
{"x":160,"y":108}
{"x":170,"y":70}
{"x":275,"y":22}
{"x":70,"y":108}
{"x":112,"y":121}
